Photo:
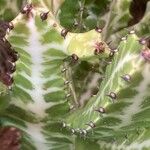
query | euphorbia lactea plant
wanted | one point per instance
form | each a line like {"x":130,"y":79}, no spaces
{"x":66,"y":90}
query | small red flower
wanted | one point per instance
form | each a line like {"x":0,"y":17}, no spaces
{"x":99,"y":48}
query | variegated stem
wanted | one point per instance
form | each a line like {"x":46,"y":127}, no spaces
{"x":38,"y":91}
{"x":128,"y":61}
{"x":39,"y":103}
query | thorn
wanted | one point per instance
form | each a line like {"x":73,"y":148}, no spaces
{"x":66,"y":82}
{"x":126,"y":77}
{"x":99,"y":30}
{"x":112,"y":95}
{"x":68,"y":95}
{"x":63,"y":70}
{"x":77,"y":130}
{"x":91,"y":124}
{"x":72,"y":107}
{"x":11,"y":66}
{"x":100,"y":110}
{"x":82,"y":8}
{"x":27,"y":9}
{"x":132,"y":32}
{"x":11,"y":26}
{"x":111,"y":54}
{"x":44,"y":16}
{"x":72,"y":131}
{"x":114,"y":50}
{"x":84,"y":132}
{"x":75,"y":23}
{"x":108,"y":43}
{"x":74,"y":57}
{"x":124,"y":38}
{"x":64,"y":33}
{"x":54,"y":25}
{"x":80,"y":132}
{"x":64,"y":125}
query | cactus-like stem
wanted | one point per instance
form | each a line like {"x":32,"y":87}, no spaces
{"x":44,"y":47}
{"x":70,"y":86}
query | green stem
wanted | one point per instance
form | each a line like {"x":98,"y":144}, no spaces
{"x":71,"y":85}
{"x":106,"y":32}
{"x":81,"y":15}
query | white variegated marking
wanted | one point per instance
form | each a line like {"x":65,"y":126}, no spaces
{"x":35,"y":131}
{"x":139,"y":146}
{"x":128,"y":57}
{"x":134,"y":146}
{"x":53,"y":89}
{"x":138,"y":99}
{"x":56,"y":46}
{"x":85,"y":96}
{"x":36,"y":49}
{"x":52,"y":77}
{"x":125,"y":60}
{"x":38,"y":106}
